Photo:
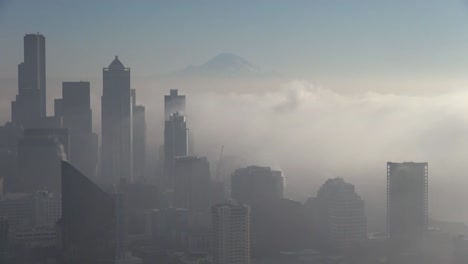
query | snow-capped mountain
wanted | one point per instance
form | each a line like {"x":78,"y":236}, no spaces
{"x":224,"y":64}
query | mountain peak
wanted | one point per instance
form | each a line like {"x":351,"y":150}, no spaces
{"x":224,"y":64}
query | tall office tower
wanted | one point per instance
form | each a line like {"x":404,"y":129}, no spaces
{"x":116,"y":147}
{"x":89,"y":224}
{"x":139,"y":139}
{"x":342,"y":222}
{"x":255,"y":184}
{"x":407,"y":203}
{"x":77,"y":118}
{"x":39,"y":154}
{"x":192,"y":183}
{"x":175,"y":145}
{"x":30,"y":102}
{"x":231,"y":233}
{"x":173,"y":103}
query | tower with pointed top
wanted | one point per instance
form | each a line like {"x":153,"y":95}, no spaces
{"x":116,"y":147}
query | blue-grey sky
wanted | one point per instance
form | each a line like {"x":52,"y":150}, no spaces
{"x":304,"y":38}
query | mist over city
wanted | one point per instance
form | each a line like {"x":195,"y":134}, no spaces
{"x":246,"y":132}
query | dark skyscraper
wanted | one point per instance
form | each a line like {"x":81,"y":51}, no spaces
{"x":175,"y":145}
{"x":174,"y":103}
{"x":256,"y":184}
{"x":407,"y":205}
{"x":30,"y":104}
{"x":116,"y":148}
{"x":139,"y":138}
{"x":88,"y":220}
{"x":77,"y":118}
{"x":192,"y":183}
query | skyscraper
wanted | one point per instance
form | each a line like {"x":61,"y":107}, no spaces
{"x":256,"y":184}
{"x":88,"y":220}
{"x":30,"y":102}
{"x":175,"y":145}
{"x":116,"y":148}
{"x":231,"y":233}
{"x":139,"y":138}
{"x":192,"y":183}
{"x":77,"y":118}
{"x":342,"y":222}
{"x":174,"y":103}
{"x":407,"y":204}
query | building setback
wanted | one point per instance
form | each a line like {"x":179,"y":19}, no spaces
{"x":30,"y":103}
{"x":116,"y":148}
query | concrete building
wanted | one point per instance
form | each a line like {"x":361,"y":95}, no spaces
{"x":231,"y":233}
{"x":192,"y":188}
{"x":30,"y":103}
{"x":173,"y":103}
{"x":342,"y":220}
{"x":256,"y":184}
{"x":407,"y":205}
{"x":116,"y":147}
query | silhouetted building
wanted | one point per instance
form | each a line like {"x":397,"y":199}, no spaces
{"x":4,"y":240}
{"x":30,"y":102}
{"x":89,"y":224}
{"x":10,"y":134}
{"x":116,"y":147}
{"x":58,"y":107}
{"x":39,"y":154}
{"x":170,"y":227}
{"x":192,"y":188}
{"x":407,"y":204}
{"x":175,"y":145}
{"x":231,"y":233}
{"x":342,"y":222}
{"x":77,"y":118}
{"x":139,"y":139}
{"x":173,"y":103}
{"x":256,"y":184}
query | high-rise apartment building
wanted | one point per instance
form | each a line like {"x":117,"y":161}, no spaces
{"x":256,"y":184}
{"x":138,"y":138}
{"x":231,"y":233}
{"x":116,"y":147}
{"x":407,"y":205}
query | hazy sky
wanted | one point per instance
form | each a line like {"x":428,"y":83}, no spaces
{"x":323,"y":39}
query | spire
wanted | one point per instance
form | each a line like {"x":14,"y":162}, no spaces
{"x":116,"y":64}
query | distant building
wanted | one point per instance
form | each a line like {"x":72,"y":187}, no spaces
{"x":169,"y":227}
{"x":89,"y":224}
{"x":30,"y":103}
{"x":175,"y":145}
{"x":75,"y":109}
{"x":139,"y":139}
{"x":192,"y":188}
{"x":4,"y":240}
{"x":256,"y":184}
{"x":116,"y":147}
{"x":231,"y":233}
{"x":341,"y":212}
{"x":39,"y":154}
{"x":407,"y":205}
{"x":174,"y":103}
